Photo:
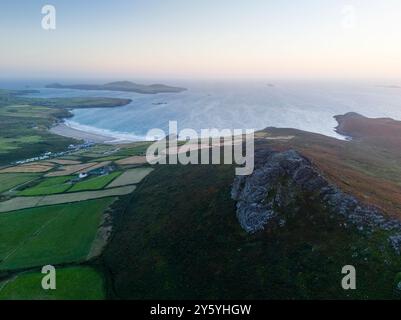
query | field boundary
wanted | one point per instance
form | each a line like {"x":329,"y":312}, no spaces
{"x":17,"y":203}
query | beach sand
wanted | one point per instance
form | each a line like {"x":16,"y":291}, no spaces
{"x":63,"y":130}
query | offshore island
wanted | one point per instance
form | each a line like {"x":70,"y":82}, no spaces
{"x":125,"y":86}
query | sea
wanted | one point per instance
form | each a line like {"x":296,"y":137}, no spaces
{"x":305,"y":105}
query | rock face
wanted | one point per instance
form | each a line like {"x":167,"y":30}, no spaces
{"x":281,"y":177}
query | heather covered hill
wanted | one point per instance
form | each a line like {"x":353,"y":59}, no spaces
{"x":380,"y":132}
{"x":367,"y":166}
{"x":181,"y":235}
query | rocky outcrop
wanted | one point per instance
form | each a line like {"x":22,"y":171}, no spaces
{"x":280,"y":178}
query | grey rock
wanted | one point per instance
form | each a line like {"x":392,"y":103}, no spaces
{"x":395,"y":242}
{"x":279,"y":177}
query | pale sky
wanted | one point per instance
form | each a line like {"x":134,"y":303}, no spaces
{"x":203,"y":38}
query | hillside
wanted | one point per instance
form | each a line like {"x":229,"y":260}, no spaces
{"x":181,"y":235}
{"x":367,"y":166}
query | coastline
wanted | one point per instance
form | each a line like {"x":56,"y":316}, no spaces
{"x":69,"y":131}
{"x":64,"y":130}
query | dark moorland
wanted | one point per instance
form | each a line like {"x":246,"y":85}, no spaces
{"x":180,"y":239}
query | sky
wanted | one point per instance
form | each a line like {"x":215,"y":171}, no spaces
{"x":202,"y":39}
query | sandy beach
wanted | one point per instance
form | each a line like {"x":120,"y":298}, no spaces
{"x":63,"y":130}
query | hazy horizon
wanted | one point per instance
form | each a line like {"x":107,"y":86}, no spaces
{"x":203,"y":40}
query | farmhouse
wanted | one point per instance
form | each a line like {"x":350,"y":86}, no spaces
{"x":82,"y":175}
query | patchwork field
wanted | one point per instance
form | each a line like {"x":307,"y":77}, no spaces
{"x":109,"y":158}
{"x":75,"y":283}
{"x":11,"y":180}
{"x":65,"y":161}
{"x":49,"y":235}
{"x":137,"y":149}
{"x":29,"y":168}
{"x":45,"y":218}
{"x":97,"y":165}
{"x":20,"y":203}
{"x":95,"y":183}
{"x":132,"y":160}
{"x":71,"y":169}
{"x":97,"y":151}
{"x":48,"y":186}
{"x":131,"y":176}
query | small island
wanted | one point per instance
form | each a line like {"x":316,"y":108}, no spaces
{"x":125,"y":86}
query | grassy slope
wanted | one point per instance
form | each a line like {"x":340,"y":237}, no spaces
{"x":180,"y":239}
{"x":74,"y":283}
{"x":23,"y":132}
{"x":49,"y":235}
{"x":369,"y":170}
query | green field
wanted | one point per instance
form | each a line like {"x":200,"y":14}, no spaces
{"x":99,"y":150}
{"x":23,"y":130}
{"x":137,"y":150}
{"x":24,"y":123}
{"x":20,"y":203}
{"x":11,"y":180}
{"x":7,"y":144}
{"x":48,"y":186}
{"x":94,"y":183}
{"x":109,"y":158}
{"x":75,"y":283}
{"x":49,"y":235}
{"x":132,"y":176}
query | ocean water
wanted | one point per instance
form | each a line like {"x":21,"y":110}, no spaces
{"x":235,"y":105}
